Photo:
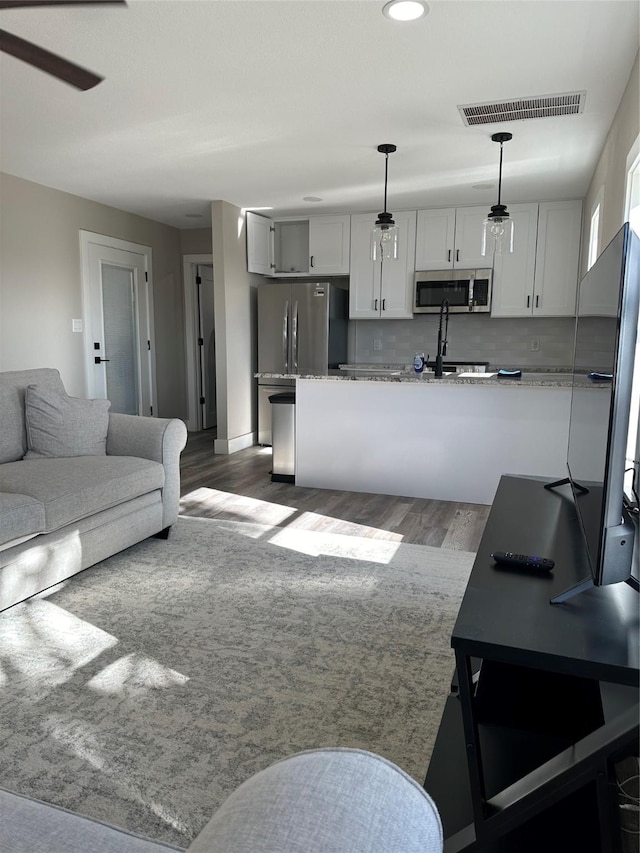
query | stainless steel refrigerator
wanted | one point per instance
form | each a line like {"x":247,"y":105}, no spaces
{"x":302,"y":328}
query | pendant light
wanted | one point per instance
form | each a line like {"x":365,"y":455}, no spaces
{"x":497,"y":233}
{"x":384,"y":235}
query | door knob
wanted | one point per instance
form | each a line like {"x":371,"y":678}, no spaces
{"x":97,"y":359}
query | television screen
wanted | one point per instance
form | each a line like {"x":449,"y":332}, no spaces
{"x":603,"y":416}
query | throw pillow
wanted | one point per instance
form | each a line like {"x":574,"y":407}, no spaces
{"x":59,"y":425}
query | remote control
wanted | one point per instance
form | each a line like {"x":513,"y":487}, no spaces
{"x":522,"y":561}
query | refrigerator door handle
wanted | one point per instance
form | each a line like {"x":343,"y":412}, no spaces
{"x":294,"y":337}
{"x":285,"y":336}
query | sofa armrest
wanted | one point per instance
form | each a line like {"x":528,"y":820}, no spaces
{"x":158,"y":439}
{"x":323,"y":801}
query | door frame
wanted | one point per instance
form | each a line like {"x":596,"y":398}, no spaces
{"x":189,"y":269}
{"x":91,"y":237}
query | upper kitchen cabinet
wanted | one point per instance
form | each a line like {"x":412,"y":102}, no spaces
{"x":382,"y":289}
{"x":317,"y":245}
{"x":540,"y":278}
{"x":449,"y":238}
{"x":557,"y":258}
{"x":514,"y":273}
{"x":329,"y":244}
{"x":259,"y":244}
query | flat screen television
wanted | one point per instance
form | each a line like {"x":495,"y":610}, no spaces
{"x":603,"y":427}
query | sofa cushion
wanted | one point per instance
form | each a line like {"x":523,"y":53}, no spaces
{"x":59,"y":425}
{"x":76,"y":487}
{"x":20,"y":515}
{"x":13,"y":384}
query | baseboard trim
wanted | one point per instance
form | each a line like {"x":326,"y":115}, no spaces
{"x":233,"y":445}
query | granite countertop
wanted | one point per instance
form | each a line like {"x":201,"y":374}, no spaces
{"x":554,"y":377}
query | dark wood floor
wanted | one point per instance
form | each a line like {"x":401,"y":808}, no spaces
{"x":239,"y":487}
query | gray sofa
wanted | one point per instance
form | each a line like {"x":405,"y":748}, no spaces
{"x":77,"y":483}
{"x":318,"y":801}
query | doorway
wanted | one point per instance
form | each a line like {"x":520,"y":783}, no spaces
{"x":200,"y":342}
{"x":118,"y":323}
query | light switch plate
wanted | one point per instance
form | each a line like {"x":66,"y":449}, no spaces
{"x":76,"y":325}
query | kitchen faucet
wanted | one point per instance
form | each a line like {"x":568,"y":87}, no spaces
{"x":442,"y":345}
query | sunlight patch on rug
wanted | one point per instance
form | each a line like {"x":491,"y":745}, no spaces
{"x":86,"y":745}
{"x":46,"y":644}
{"x":135,"y":673}
{"x":314,"y":543}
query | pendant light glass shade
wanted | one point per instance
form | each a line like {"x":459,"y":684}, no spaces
{"x":384,"y":234}
{"x":384,"y":240}
{"x":497,"y":232}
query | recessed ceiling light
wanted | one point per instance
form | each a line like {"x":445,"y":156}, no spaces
{"x":405,"y":10}
{"x":311,"y":198}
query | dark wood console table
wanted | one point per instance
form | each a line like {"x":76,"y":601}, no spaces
{"x":545,"y":696}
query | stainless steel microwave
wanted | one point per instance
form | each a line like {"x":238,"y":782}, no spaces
{"x":465,"y":290}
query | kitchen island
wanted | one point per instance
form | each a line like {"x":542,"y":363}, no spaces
{"x":451,"y":438}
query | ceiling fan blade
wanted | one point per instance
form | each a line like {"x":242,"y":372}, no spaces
{"x":20,"y":4}
{"x":49,"y":62}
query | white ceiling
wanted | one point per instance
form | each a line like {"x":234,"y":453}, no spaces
{"x":263,"y":102}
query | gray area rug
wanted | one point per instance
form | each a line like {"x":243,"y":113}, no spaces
{"x":144,"y":690}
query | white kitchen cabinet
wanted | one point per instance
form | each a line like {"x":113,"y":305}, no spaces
{"x":557,"y":258}
{"x":259,"y":244}
{"x":382,"y":289}
{"x":315,"y":245}
{"x":450,"y":238}
{"x":514,"y":273}
{"x":540,"y":278}
{"x":329,"y":244}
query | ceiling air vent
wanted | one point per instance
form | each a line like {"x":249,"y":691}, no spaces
{"x":544,"y":106}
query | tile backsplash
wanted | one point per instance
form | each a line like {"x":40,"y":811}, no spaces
{"x":503,"y":342}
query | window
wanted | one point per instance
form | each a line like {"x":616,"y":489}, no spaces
{"x":594,"y":234}
{"x":632,"y":206}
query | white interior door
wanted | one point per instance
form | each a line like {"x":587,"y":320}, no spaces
{"x":206,"y":345}
{"x":118,"y":318}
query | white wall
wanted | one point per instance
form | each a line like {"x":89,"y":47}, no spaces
{"x":235,"y":311}
{"x":611,"y":171}
{"x":40,"y":285}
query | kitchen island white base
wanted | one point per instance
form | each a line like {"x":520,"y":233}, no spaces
{"x":444,"y":442}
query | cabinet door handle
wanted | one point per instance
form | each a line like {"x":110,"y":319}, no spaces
{"x":457,"y":255}
{"x":311,"y":261}
{"x":285,"y":337}
{"x":528,"y":301}
{"x":449,"y":256}
{"x":537,"y":301}
{"x":375,"y":304}
{"x":384,"y":307}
